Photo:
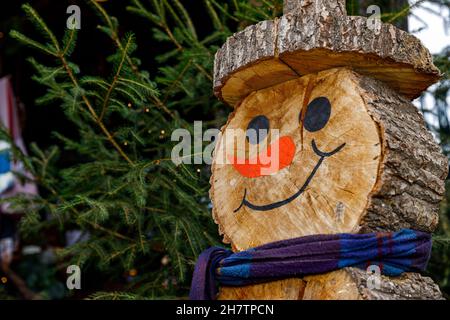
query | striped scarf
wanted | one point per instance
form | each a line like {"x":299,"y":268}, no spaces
{"x":394,"y":253}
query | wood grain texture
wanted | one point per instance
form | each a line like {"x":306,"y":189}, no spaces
{"x":337,"y":285}
{"x":290,"y":289}
{"x":336,"y":197}
{"x":314,"y":36}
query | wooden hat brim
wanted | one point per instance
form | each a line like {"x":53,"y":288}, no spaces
{"x":300,"y":43}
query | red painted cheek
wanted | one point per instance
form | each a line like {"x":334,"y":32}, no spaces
{"x":278,"y":156}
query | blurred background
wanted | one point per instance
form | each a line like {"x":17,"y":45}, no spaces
{"x":91,"y":111}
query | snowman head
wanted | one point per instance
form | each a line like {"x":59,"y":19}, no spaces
{"x":309,"y":160}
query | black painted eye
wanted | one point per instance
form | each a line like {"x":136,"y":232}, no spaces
{"x":317,"y":114}
{"x":258,"y":129}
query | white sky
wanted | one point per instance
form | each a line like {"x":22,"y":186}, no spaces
{"x":435,"y":35}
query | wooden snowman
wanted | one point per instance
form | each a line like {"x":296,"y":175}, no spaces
{"x":354,"y":153}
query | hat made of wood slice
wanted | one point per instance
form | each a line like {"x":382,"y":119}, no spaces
{"x":316,"y":35}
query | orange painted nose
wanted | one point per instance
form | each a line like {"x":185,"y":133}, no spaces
{"x":278,"y":156}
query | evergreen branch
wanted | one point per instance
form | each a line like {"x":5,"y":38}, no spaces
{"x":116,"y":76}
{"x":69,"y":42}
{"x":106,"y":17}
{"x":140,"y":235}
{"x":163,"y":25}
{"x":138,"y":84}
{"x":118,"y":253}
{"x":110,"y":232}
{"x":405,"y":11}
{"x":188,"y":21}
{"x":115,"y":296}
{"x":60,"y":54}
{"x":41,"y":25}
{"x":172,"y":38}
{"x":52,"y":74}
{"x":154,"y":210}
{"x":77,"y":213}
{"x":32,"y":43}
{"x":219,"y":24}
{"x":134,"y":68}
{"x":174,"y":15}
{"x":92,"y":111}
{"x":177,"y":80}
{"x":202,"y":70}
{"x":140,"y":10}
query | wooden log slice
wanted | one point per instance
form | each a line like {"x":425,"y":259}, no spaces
{"x":355,"y":156}
{"x":313,"y":36}
{"x":289,"y":289}
{"x":345,"y":284}
{"x":352,"y":284}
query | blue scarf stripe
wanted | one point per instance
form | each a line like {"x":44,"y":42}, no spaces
{"x":395,"y":253}
{"x":402,"y":245}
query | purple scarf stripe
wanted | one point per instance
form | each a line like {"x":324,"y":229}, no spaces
{"x":394,"y":253}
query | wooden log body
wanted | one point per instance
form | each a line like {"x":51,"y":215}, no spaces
{"x":345,"y":284}
{"x":389,"y":175}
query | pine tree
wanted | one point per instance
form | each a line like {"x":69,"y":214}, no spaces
{"x":145,"y":216}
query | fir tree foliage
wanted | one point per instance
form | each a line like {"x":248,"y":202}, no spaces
{"x":137,"y":207}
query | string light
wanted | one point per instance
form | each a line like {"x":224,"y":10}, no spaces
{"x":165,"y":260}
{"x":133,"y":272}
{"x":125,"y":143}
{"x":4,"y":280}
{"x":198,"y":170}
{"x":147,"y":110}
{"x":163,"y":132}
{"x":129,"y":105}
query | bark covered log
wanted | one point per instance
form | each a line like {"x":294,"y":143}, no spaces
{"x":387,"y":171}
{"x":336,"y":7}
{"x":353,"y":284}
{"x":345,"y":284}
{"x":316,"y":36}
{"x":411,"y":182}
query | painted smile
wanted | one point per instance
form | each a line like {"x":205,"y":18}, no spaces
{"x":275,"y":205}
